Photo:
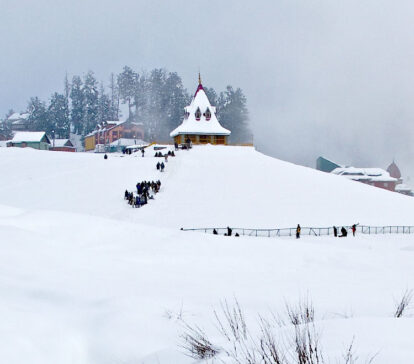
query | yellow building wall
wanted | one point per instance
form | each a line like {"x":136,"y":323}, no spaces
{"x":90,"y":143}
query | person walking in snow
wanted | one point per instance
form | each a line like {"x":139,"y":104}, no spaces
{"x":105,"y":156}
{"x":166,"y":158}
{"x":142,"y":152}
{"x":162,"y":166}
{"x":158,"y":166}
{"x":176,"y":146}
{"x":335,"y":230}
{"x":343,"y":232}
{"x":229,"y":231}
{"x":353,"y":229}
{"x":215,"y":232}
{"x":298,"y":232}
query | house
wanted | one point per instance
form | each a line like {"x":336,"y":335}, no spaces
{"x":110,"y":131}
{"x":326,"y":165}
{"x":19,"y":121}
{"x":32,"y":139}
{"x":376,"y":177}
{"x":200,"y":124}
{"x":62,"y":145}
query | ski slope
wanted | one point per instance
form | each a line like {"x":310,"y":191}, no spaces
{"x":84,"y":278}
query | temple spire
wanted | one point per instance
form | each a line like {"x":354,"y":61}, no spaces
{"x":199,"y":78}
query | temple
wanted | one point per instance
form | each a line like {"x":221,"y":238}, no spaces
{"x":200,"y":124}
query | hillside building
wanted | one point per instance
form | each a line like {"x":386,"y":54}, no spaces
{"x":376,"y":177}
{"x":19,"y":121}
{"x":62,"y":145}
{"x":110,"y":131}
{"x":200,"y":124}
{"x":31,"y":139}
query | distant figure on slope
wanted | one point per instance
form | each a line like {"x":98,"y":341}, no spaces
{"x":215,"y":232}
{"x":298,"y":232}
{"x":126,"y":195}
{"x":237,"y":234}
{"x":105,"y":156}
{"x":343,"y":232}
{"x":229,"y":231}
{"x":142,"y":152}
{"x":166,"y":158}
{"x":176,"y":146}
{"x":162,"y":166}
{"x":353,"y":229}
{"x":158,"y":166}
{"x":335,"y":231}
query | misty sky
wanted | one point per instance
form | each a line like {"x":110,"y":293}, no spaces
{"x":332,"y":78}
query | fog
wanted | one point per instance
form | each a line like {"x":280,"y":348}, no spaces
{"x":331,"y":78}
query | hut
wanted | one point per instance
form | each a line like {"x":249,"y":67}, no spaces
{"x":200,"y":124}
{"x":32,"y":139}
{"x":62,"y":145}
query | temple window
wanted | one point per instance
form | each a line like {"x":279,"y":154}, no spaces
{"x":207,"y":114}
{"x":198,"y":114}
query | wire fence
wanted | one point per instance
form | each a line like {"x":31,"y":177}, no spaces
{"x":313,"y":231}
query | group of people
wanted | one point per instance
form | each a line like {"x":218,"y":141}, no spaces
{"x":143,"y":193}
{"x":160,"y":166}
{"x":169,"y":154}
{"x":229,"y":232}
{"x":344,"y":231}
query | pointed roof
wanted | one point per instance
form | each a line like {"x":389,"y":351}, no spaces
{"x":393,"y":170}
{"x":202,"y":125}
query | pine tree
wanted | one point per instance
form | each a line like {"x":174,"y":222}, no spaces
{"x":5,"y":126}
{"x":127,"y":84}
{"x":77,"y":101}
{"x":104,"y":106}
{"x":38,"y":118}
{"x":114,"y":98}
{"x":177,"y":98}
{"x":234,"y":115}
{"x":58,"y":116}
{"x":90,"y":106}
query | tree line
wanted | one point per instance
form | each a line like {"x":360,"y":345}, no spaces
{"x":156,"y":98}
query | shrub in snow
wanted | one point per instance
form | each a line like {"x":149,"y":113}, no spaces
{"x":404,"y":304}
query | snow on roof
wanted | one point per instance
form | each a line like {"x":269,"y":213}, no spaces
{"x":203,"y":126}
{"x":402,"y":188}
{"x":61,"y":142}
{"x":364,"y":174}
{"x":28,"y":136}
{"x":17,"y":116}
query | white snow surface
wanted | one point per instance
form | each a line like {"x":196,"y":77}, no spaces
{"x":203,"y":126}
{"x":84,"y":278}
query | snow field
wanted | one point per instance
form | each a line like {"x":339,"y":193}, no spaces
{"x":85,"y":278}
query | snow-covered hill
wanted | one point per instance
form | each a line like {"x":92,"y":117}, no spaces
{"x":84,"y":278}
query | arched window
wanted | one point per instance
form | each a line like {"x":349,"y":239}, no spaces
{"x":198,"y":114}
{"x":207,"y":114}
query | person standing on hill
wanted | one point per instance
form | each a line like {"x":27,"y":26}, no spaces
{"x":335,"y":230}
{"x":229,"y":231}
{"x":298,"y":232}
{"x":353,"y":229}
{"x":162,"y":166}
{"x":142,"y":152}
{"x":158,"y":166}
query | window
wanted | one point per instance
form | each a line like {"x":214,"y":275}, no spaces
{"x":220,"y":139}
{"x":204,"y":139}
{"x":207,"y":114}
{"x":198,"y":114}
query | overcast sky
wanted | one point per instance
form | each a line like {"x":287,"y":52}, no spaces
{"x":332,"y":78}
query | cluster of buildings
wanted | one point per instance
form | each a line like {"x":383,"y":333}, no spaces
{"x":200,"y":126}
{"x":389,"y":179}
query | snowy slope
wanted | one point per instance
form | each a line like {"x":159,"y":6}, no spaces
{"x":208,"y":186}
{"x":86,"y":279}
